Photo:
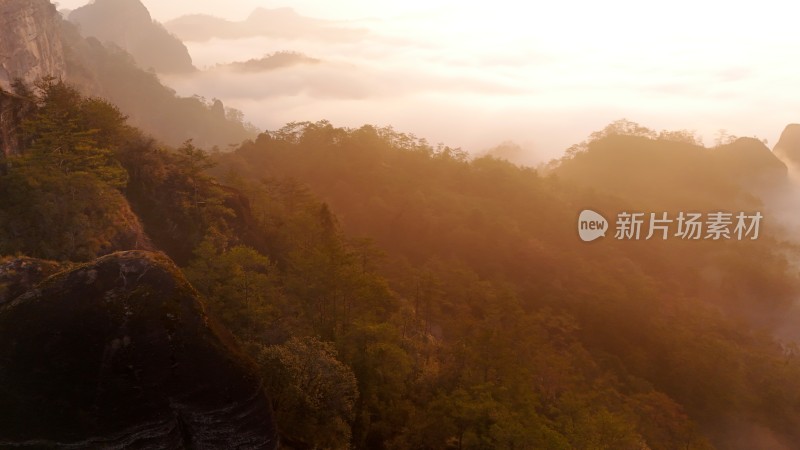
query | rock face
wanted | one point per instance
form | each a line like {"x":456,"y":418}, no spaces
{"x":788,"y":146}
{"x":35,"y":42}
{"x":18,"y":275}
{"x":119,"y":354}
{"x":128,"y":24}
{"x":30,"y":43}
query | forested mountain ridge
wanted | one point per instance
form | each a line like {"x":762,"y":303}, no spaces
{"x":117,"y":352}
{"x":648,"y":315}
{"x":110,"y":72}
{"x":384,"y":292}
{"x":473,"y":317}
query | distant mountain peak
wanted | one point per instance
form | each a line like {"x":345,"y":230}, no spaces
{"x":129,"y":25}
{"x":133,"y":10}
{"x":273,"y":22}
{"x":788,"y":146}
{"x":262,"y":12}
{"x":273,"y":61}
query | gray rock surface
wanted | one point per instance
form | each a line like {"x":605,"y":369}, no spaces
{"x":119,"y":353}
{"x":30,"y":42}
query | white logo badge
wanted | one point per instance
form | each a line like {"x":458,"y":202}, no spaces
{"x":591,"y":225}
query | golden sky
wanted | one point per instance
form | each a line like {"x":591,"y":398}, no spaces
{"x":544,"y":74}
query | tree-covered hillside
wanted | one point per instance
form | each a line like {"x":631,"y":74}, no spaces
{"x":538,"y":337}
{"x":396,"y":295}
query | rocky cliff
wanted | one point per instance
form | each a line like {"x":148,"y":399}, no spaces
{"x":119,"y":353}
{"x":30,"y":42}
{"x":18,"y":275}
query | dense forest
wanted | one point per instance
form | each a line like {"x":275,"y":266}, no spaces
{"x":395,"y":294}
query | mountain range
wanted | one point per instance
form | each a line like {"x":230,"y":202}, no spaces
{"x":324,"y":287}
{"x":59,"y":49}
{"x":128,"y":25}
{"x":276,"y":23}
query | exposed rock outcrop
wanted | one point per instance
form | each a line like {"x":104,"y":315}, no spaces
{"x":18,"y":275}
{"x":30,"y":42}
{"x":119,"y":353}
{"x":35,"y":42}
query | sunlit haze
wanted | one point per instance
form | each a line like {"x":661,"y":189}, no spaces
{"x":415,"y":224}
{"x":542,"y":75}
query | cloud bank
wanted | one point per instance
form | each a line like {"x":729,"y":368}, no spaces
{"x":475,"y":88}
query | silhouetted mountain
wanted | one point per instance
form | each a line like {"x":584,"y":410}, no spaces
{"x":127,"y":24}
{"x":788,"y":146}
{"x":120,"y":354}
{"x":750,"y":161}
{"x":663,"y":173}
{"x":388,"y":293}
{"x":281,"y":22}
{"x":110,"y":72}
{"x":150,"y":105}
{"x":270,"y":62}
{"x":35,"y":42}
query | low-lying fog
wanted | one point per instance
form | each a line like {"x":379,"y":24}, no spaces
{"x":544,"y":79}
{"x":475,"y":75}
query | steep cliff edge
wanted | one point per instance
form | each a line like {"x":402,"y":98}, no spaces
{"x":119,"y":353}
{"x":30,"y":41}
